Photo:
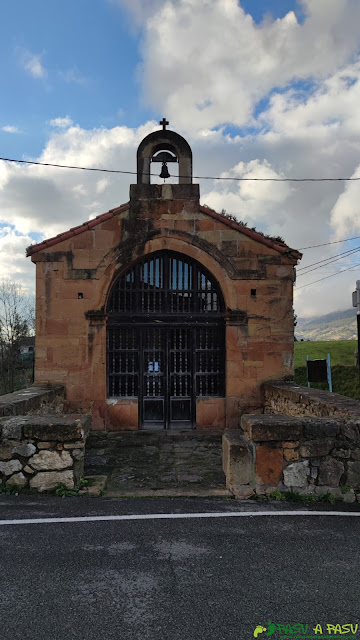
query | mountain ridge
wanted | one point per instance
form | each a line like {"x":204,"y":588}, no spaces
{"x":338,"y":325}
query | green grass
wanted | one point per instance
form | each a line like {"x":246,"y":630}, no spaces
{"x":345,"y":376}
{"x":341,"y":352}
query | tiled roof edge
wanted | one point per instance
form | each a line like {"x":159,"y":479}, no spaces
{"x":34,"y":248}
{"x":255,"y":235}
{"x":74,"y":231}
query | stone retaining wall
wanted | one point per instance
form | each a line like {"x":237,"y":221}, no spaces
{"x":40,"y":452}
{"x":293,"y":400}
{"x":301,"y":454}
{"x":35,"y":400}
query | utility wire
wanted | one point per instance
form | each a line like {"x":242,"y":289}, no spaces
{"x":326,"y":277}
{"x":329,"y":258}
{"x":327,"y":261}
{"x":65,"y":166}
{"x":325,"y":244}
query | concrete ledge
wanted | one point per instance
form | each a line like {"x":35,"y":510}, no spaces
{"x":291,"y":399}
{"x":36,"y":399}
{"x":65,"y":428}
{"x":266,"y":427}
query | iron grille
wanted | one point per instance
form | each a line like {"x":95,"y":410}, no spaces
{"x":165,"y":283}
{"x":166,"y":337}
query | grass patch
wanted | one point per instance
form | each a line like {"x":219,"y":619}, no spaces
{"x":345,"y":376}
{"x":345,"y":380}
{"x":341,"y":352}
{"x":293,"y":496}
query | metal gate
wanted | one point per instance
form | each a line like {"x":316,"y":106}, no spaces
{"x":165,"y":339}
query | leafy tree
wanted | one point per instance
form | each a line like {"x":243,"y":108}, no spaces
{"x":16,"y":322}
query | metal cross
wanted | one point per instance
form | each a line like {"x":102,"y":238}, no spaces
{"x":164,"y":122}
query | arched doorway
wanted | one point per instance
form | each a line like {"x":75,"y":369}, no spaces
{"x":166,"y":339}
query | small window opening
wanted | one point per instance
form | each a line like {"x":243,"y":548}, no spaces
{"x":253,"y":293}
{"x":80,"y":295}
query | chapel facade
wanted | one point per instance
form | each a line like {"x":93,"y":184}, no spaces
{"x":162,"y":313}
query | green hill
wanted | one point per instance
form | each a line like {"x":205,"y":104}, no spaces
{"x":339,"y":325}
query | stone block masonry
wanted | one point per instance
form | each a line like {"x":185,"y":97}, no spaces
{"x":40,"y":452}
{"x":306,"y":455}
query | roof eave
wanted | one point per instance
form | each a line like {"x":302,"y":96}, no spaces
{"x":74,"y":231}
{"x":255,"y":235}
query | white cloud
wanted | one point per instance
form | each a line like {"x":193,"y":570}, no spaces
{"x":9,"y":128}
{"x":61,"y":123}
{"x":140,"y":10}
{"x":206,"y":62}
{"x":33,"y":65}
{"x":47,"y":200}
{"x":250,"y":200}
{"x":102,"y":184}
{"x":345,"y":215}
{"x":328,"y":110}
{"x":73,"y":76}
{"x":210,"y":56}
{"x":12,"y":261}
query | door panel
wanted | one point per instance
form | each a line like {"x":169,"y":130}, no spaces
{"x":167,"y":368}
{"x":154,"y":387}
{"x":165,"y":338}
{"x":180,"y":378}
{"x":167,"y":378}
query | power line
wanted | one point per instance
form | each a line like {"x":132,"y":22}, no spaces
{"x":65,"y":166}
{"x":329,"y":258}
{"x":327,"y":261}
{"x":326,"y":277}
{"x":314,"y":246}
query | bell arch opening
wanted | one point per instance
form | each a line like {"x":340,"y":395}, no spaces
{"x":174,"y":148}
{"x":166,"y":339}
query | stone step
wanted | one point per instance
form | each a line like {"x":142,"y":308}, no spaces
{"x":148,"y":460}
{"x":101,"y":439}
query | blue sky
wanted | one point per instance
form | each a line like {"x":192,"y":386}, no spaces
{"x":260,"y":88}
{"x":89,"y":51}
{"x":89,"y":55}
{"x":259,"y":9}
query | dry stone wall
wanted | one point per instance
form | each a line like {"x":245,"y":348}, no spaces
{"x":41,"y":452}
{"x":293,"y":400}
{"x":306,"y":455}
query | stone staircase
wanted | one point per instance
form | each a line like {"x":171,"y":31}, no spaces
{"x":157,"y":462}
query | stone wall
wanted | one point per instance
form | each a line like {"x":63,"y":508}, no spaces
{"x":293,"y":400}
{"x":306,"y":455}
{"x":35,"y":400}
{"x":40,"y":452}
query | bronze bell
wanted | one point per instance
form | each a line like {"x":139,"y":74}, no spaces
{"x":164,"y":171}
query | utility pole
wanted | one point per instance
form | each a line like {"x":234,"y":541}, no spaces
{"x":356,"y":303}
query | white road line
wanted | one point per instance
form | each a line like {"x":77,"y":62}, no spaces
{"x":175,"y":516}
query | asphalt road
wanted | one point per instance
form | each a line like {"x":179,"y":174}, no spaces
{"x":179,"y":579}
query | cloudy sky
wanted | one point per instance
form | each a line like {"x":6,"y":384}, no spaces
{"x":260,"y":89}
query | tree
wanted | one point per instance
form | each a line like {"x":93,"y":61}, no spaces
{"x":16,"y":322}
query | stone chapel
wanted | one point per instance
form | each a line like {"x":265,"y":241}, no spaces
{"x":162,"y":313}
